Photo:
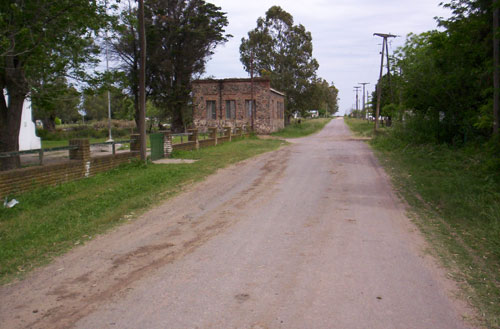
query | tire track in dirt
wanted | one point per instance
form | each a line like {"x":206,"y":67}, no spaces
{"x":68,"y":298}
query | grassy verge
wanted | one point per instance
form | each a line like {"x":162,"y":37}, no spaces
{"x":454,"y":195}
{"x":49,"y":221}
{"x":306,"y":127}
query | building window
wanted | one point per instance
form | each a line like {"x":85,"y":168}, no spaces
{"x":249,"y":108}
{"x":211,"y":112}
{"x":230,"y":109}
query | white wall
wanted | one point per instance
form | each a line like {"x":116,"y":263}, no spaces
{"x":28,"y":140}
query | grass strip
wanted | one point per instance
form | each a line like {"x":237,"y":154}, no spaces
{"x":454,"y":196}
{"x":304,"y":128}
{"x":50,"y":221}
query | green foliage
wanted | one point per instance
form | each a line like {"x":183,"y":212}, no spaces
{"x":282,"y":51}
{"x":41,"y":41}
{"x":95,"y":104}
{"x":81,"y":132}
{"x":322,"y":97}
{"x":51,"y":220}
{"x":181,"y":36}
{"x":57,"y":121}
{"x":443,"y":78}
{"x":55,"y":98}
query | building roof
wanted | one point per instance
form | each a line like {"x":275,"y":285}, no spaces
{"x":277,"y":92}
{"x":256,"y":79}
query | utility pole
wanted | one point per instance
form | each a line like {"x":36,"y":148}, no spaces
{"x":496,"y":78}
{"x":110,"y":139}
{"x":379,"y":86}
{"x":251,"y":91}
{"x":364,"y":102}
{"x":142,"y":82}
{"x":356,"y":88}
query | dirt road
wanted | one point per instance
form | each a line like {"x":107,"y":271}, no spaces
{"x":309,"y":236}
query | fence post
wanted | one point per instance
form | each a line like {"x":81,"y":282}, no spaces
{"x":83,"y":150}
{"x":167,"y":142}
{"x":135,"y":143}
{"x":213,"y":134}
{"x":194,"y":137}
{"x":227,"y":132}
{"x":40,"y":157}
{"x":82,"y":153}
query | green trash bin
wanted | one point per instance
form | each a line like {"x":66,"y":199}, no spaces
{"x":156,"y":146}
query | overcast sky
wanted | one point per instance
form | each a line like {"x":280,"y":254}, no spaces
{"x":342,"y":32}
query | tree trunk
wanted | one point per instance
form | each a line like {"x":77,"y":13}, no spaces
{"x":177,"y":125}
{"x":10,"y":124}
{"x":49,"y":123}
{"x":136,"y":113}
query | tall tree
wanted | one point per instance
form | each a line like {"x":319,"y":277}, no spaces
{"x":181,"y":36}
{"x":446,"y":76}
{"x":323,"y":97}
{"x":125,"y":48}
{"x":95,"y":104}
{"x":56,"y":98}
{"x":282,"y":51}
{"x":39,"y":39}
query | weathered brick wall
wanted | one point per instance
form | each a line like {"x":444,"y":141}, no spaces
{"x":108,"y":162}
{"x":206,"y":142}
{"x":238,"y":90}
{"x":277,"y":113}
{"x":21,"y":180}
{"x":24,"y":179}
{"x":221,"y":140}
{"x":82,"y":165}
{"x":184,"y":146}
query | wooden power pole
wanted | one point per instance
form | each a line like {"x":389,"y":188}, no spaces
{"x":496,"y":78}
{"x":356,"y":88}
{"x":251,"y":92}
{"x":364,"y":102}
{"x":142,"y":82}
{"x":379,"y":85}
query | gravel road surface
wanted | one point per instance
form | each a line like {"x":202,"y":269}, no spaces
{"x":308,"y":236}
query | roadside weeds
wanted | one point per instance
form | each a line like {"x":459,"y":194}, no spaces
{"x":452,"y":200}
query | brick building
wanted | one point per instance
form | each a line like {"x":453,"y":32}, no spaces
{"x":227,"y":102}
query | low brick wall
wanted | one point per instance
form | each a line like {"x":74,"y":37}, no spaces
{"x":82,"y":165}
{"x":108,"y":162}
{"x":206,"y":142}
{"x":22,"y":180}
{"x":187,"y":146}
{"x":224,"y":139}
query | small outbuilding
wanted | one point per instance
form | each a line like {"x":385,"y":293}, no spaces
{"x":227,"y":102}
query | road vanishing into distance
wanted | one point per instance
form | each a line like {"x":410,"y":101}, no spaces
{"x":308,"y":236}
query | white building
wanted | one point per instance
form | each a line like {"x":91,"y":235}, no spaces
{"x":28,"y":140}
